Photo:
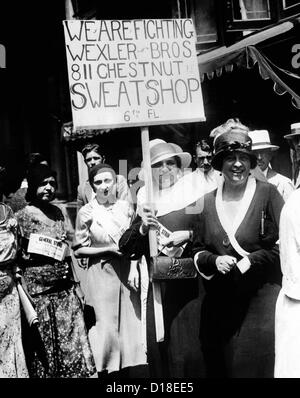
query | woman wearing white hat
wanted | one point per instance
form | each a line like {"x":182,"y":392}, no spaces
{"x":179,"y":355}
{"x":264,"y":152}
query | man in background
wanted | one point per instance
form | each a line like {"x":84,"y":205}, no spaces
{"x":265,"y":151}
{"x":204,"y":173}
{"x":294,"y":142}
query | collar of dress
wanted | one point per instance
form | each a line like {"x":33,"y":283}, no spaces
{"x":229,"y":226}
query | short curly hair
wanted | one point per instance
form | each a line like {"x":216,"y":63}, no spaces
{"x":91,"y":147}
{"x":204,"y":145}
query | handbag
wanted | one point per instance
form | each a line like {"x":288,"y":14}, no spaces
{"x":164,"y":268}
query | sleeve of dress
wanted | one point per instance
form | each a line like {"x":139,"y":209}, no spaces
{"x":132,"y":242}
{"x":287,"y":189}
{"x":79,"y":197}
{"x":269,"y":256}
{"x":204,"y":260}
{"x":289,"y":235}
{"x":82,"y":236}
{"x":123,"y":189}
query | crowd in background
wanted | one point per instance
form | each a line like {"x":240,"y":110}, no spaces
{"x":219,"y":300}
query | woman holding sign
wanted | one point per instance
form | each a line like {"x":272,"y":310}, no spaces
{"x":49,"y":280}
{"x":175,"y":203}
{"x":112,"y":280}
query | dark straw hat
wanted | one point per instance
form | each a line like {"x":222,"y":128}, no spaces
{"x":232,"y":141}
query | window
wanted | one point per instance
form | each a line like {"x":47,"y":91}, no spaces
{"x":249,"y":14}
{"x":244,"y":10}
{"x":203,"y":14}
{"x":289,"y":8}
{"x":289,"y":3}
{"x":205,"y":22}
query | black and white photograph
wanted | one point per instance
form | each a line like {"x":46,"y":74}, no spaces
{"x":149,"y":192}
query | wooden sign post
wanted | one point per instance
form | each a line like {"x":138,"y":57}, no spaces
{"x":158,"y":309}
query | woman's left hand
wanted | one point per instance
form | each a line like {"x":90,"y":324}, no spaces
{"x":176,"y":239}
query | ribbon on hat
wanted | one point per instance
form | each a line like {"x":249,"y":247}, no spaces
{"x":233,"y":145}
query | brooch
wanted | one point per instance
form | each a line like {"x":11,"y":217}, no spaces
{"x":226,"y":241}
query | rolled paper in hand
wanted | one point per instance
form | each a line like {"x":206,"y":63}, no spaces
{"x":29,"y":311}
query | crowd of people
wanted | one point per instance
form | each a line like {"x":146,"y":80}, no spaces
{"x":219,"y":300}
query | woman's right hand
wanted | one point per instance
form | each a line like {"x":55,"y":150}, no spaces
{"x":114,"y":249}
{"x":225,"y":263}
{"x":148,"y":219}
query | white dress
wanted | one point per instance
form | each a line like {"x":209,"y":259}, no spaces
{"x":287,"y":317}
{"x":116,"y":338}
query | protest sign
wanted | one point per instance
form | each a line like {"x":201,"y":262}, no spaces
{"x":162,"y":233}
{"x":46,"y":246}
{"x":126,"y":73}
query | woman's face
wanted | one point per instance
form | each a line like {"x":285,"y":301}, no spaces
{"x":236,"y":168}
{"x":46,"y":190}
{"x":104,"y":184}
{"x":165,"y":173}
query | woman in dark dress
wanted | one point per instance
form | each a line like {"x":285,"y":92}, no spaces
{"x":235,"y":251}
{"x":179,"y":354}
{"x":49,"y":280}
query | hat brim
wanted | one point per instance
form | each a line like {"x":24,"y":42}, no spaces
{"x":260,"y":147}
{"x":217,"y":160}
{"x":292,"y":135}
{"x":185,"y":158}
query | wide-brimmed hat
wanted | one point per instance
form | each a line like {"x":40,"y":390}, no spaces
{"x":232,"y":141}
{"x":295,"y":131}
{"x":162,"y":150}
{"x":261,"y":140}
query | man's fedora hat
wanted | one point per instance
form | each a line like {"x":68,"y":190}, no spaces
{"x":295,"y":131}
{"x":261,"y":140}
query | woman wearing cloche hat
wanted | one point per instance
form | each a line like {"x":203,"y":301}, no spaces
{"x":235,"y":252}
{"x":180,"y":354}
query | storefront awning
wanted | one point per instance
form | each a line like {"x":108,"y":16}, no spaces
{"x":247,"y":52}
{"x":68,"y":132}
